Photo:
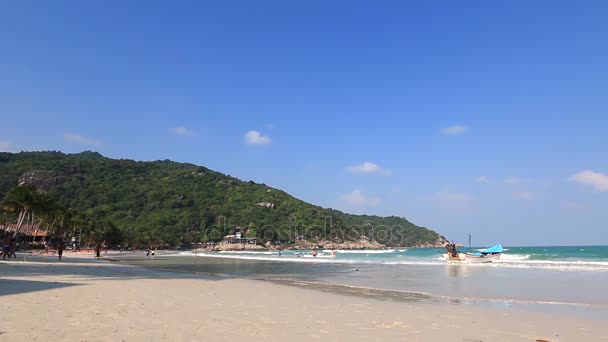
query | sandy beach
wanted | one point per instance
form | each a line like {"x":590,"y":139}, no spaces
{"x":84,"y":300}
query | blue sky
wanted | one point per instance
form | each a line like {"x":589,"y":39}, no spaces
{"x":478,"y":117}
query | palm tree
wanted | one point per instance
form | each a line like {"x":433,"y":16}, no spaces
{"x":46,"y":208}
{"x":79,"y":222}
{"x":21,"y":201}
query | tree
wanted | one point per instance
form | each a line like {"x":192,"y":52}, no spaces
{"x":21,"y":201}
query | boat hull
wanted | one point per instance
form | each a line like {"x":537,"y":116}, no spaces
{"x":466,"y":258}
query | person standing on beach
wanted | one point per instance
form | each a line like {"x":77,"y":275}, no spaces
{"x":98,"y":251}
{"x":13,"y":249}
{"x":60,"y":249}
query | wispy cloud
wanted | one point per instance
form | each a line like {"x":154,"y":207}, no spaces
{"x":5,"y":146}
{"x":182,"y":131}
{"x":368,"y":168}
{"x":452,"y":201}
{"x":597,"y":180}
{"x":576,"y":207}
{"x":256,"y":138}
{"x":511,"y":180}
{"x":523,"y":195}
{"x":81,"y":139}
{"x":483,"y":179}
{"x":454,"y":130}
{"x":357,"y":198}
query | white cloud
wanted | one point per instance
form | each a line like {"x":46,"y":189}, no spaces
{"x":81,"y":139}
{"x":483,"y":179}
{"x":453,"y":201}
{"x":368,"y":168}
{"x":512,"y":180}
{"x":256,"y":138}
{"x":5,"y":146}
{"x":182,"y":131}
{"x":357,"y":198}
{"x":523,"y":195}
{"x":454,"y":130}
{"x":597,"y":180}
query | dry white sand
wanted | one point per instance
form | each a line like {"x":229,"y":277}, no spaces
{"x":100,"y":301}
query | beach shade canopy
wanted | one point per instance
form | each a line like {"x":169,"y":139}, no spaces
{"x":494,"y":249}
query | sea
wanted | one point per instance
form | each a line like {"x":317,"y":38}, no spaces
{"x":561,"y":279}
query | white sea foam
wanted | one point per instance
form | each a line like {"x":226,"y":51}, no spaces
{"x":505,"y":257}
{"x":249,"y":252}
{"x":291,"y":258}
{"x":524,"y":260}
{"x":365,"y":251}
{"x":506,"y":260}
{"x":566,"y":265}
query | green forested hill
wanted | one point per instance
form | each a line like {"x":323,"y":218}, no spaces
{"x":168,"y":200}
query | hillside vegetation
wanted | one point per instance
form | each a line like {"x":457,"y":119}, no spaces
{"x":165,"y":201}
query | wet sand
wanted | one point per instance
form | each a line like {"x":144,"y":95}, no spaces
{"x":86,"y":300}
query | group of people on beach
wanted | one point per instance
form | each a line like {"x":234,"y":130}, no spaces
{"x":452,"y":249}
{"x":8,"y":248}
{"x":98,"y":247}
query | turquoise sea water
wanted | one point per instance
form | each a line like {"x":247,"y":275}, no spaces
{"x":575,"y":258}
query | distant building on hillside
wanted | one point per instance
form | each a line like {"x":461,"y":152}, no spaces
{"x":237,"y":238}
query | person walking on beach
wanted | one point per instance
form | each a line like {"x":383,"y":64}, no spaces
{"x":60,"y":249}
{"x":98,"y":251}
{"x":13,"y":249}
{"x":6,"y":247}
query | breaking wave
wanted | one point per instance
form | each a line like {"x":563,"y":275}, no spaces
{"x":401,"y":257}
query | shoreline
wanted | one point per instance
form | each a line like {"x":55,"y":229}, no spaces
{"x":102,"y":300}
{"x":173,"y":262}
{"x":565,"y":307}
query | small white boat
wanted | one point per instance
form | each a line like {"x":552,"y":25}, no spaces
{"x":483,"y":256}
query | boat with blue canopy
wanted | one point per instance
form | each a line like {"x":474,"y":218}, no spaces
{"x":486,"y":255}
